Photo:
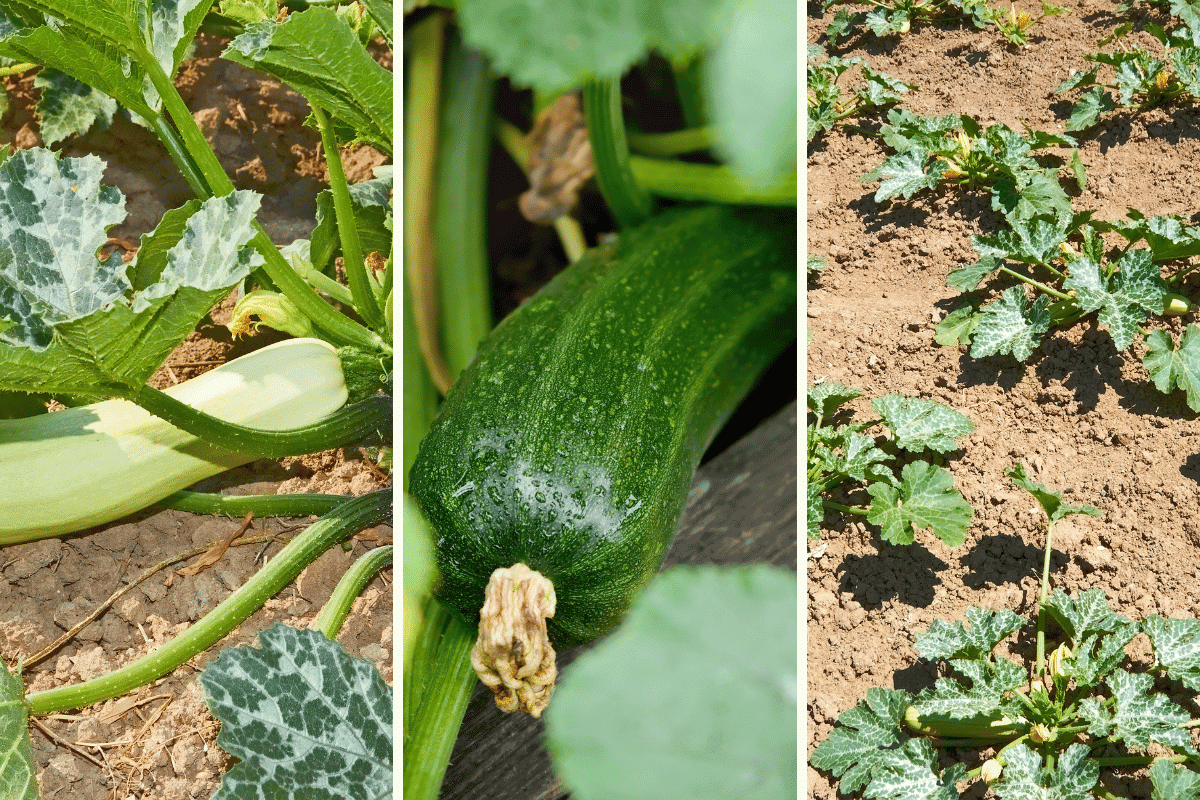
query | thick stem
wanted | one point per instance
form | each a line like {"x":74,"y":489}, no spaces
{"x":437,"y":689}
{"x":681,"y":180}
{"x":1041,"y":623}
{"x":349,"y":518}
{"x":365,"y":302}
{"x":628,"y":201}
{"x":349,"y":587}
{"x":261,"y":505}
{"x":350,"y":423}
{"x":674,"y":143}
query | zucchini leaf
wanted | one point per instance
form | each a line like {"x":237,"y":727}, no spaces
{"x":317,"y":54}
{"x":1139,"y":716}
{"x":926,"y":498}
{"x":303,"y":718}
{"x":1176,"y":648}
{"x":694,"y":696}
{"x":18,"y":771}
{"x":989,"y":684}
{"x":1011,"y":325}
{"x":853,"y":750}
{"x":1124,"y":299}
{"x":68,"y":107}
{"x":922,"y":424}
{"x":1073,"y":777}
{"x":71,"y":323}
{"x":91,"y":42}
{"x":1052,"y":503}
{"x":956,"y":641}
{"x":910,"y":773}
{"x":1084,"y":616}
{"x":1172,"y":782}
{"x":1175,"y":368}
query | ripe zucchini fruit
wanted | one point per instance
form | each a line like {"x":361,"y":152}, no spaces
{"x":569,"y":443}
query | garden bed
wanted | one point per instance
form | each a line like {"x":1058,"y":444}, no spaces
{"x":1082,"y":416}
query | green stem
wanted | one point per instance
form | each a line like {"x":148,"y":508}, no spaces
{"x":1041,"y":623}
{"x":365,"y":302}
{"x":628,"y":201}
{"x":675,"y":143}
{"x":441,"y":684}
{"x":199,"y":165}
{"x":689,"y":88}
{"x":460,"y":204}
{"x":1036,"y":284}
{"x":708,"y":182}
{"x":261,"y":505}
{"x":349,"y":587}
{"x":845,"y":509}
{"x":350,"y":423}
{"x":349,"y":518}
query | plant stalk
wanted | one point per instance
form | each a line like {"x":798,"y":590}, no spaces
{"x":261,"y":505}
{"x":628,"y":201}
{"x":681,"y":180}
{"x":438,"y":691}
{"x":347,"y":519}
{"x":365,"y":302}
{"x":349,"y":587}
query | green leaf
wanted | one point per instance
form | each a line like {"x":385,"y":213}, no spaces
{"x":685,"y":677}
{"x":922,"y":424}
{"x":1097,"y":655}
{"x":1176,"y":648}
{"x":1123,"y":300}
{"x":1175,"y":369}
{"x":1031,"y":240}
{"x":1141,"y":715}
{"x":1088,"y":109}
{"x":957,"y":327}
{"x":75,"y":328}
{"x":1030,"y":192}
{"x":852,"y":751}
{"x":858,"y":456}
{"x":967,"y":278}
{"x":371,"y":202}
{"x":826,"y":398}
{"x":1078,"y":170}
{"x":903,"y":175}
{"x":1011,"y":325}
{"x":750,"y":86}
{"x":989,"y":684}
{"x":1086,"y":615}
{"x":302,"y":714}
{"x":1167,"y":237}
{"x":987,"y":629}
{"x":814,"y":510}
{"x":1051,"y":503}
{"x":910,"y":773}
{"x":557,"y":45}
{"x":317,"y":54}
{"x":1172,"y":782}
{"x":926,"y":499}
{"x":1024,"y":778}
{"x":68,"y":107}
{"x":18,"y":770}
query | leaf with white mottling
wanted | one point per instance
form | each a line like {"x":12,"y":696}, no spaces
{"x":986,"y":694}
{"x":827,"y":397}
{"x":1085,"y":615}
{"x":68,"y":107}
{"x":903,"y":174}
{"x":1074,"y":776}
{"x":910,"y":773}
{"x":954,"y":641}
{"x":18,"y":770}
{"x":302,"y":714}
{"x":1011,"y":325}
{"x":1142,"y":716}
{"x":922,"y":424}
{"x":852,"y":750}
{"x":1124,"y":299}
{"x":1176,"y":648}
{"x":1172,"y":782}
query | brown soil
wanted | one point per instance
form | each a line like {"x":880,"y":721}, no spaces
{"x":1084,"y":418}
{"x":158,"y":743}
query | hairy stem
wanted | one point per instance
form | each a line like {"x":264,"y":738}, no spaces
{"x":349,"y":587}
{"x":350,"y":517}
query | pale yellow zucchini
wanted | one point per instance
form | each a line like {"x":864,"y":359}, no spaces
{"x":73,"y":469}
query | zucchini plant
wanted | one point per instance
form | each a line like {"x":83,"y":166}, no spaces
{"x":581,"y":417}
{"x":89,"y":331}
{"x":827,"y":106}
{"x":896,"y":17}
{"x":841,"y":455}
{"x":1050,"y":728}
{"x":1062,"y":263}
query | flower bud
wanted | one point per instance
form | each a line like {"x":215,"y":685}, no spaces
{"x":990,"y":771}
{"x":271,"y":309}
{"x":1054,"y":662}
{"x":1040,"y":732}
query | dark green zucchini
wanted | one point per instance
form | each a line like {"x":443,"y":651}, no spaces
{"x":569,"y":443}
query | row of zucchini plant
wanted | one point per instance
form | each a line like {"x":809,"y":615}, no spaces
{"x":1052,"y":726}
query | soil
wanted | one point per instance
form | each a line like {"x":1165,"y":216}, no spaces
{"x":159,"y":742}
{"x":1084,"y":418}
